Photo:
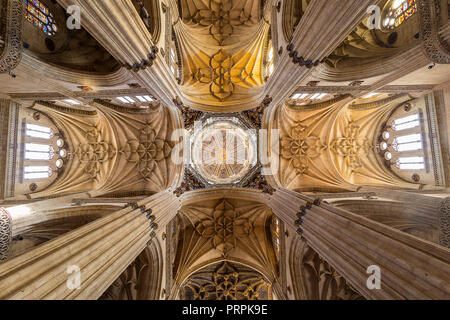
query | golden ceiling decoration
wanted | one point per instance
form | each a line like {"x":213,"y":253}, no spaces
{"x":333,"y":146}
{"x":224,"y":228}
{"x":113,"y":151}
{"x":222,"y":45}
{"x":351,"y":146}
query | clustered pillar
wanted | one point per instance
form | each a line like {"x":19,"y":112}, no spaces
{"x":100,"y":251}
{"x":410,"y":268}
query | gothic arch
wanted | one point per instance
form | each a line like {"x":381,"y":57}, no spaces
{"x":314,"y":279}
{"x":142,"y":279}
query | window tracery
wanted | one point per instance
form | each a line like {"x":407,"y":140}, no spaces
{"x":402,"y":144}
{"x":226,"y":281}
{"x":44,"y":152}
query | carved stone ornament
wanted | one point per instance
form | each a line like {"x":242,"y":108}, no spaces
{"x":322,"y":282}
{"x":300,"y":147}
{"x":259,"y":181}
{"x":225,"y":227}
{"x":255,"y":115}
{"x":5,"y":233}
{"x":444,"y":223}
{"x":189,"y":183}
{"x":435,"y":48}
{"x":351,"y":146}
{"x":11,"y":26}
{"x":227,"y":282}
{"x":146,"y":151}
{"x":94,"y":153}
{"x":190,"y":115}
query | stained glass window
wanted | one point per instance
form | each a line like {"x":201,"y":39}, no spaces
{"x":398,"y":12}
{"x":39,"y":16}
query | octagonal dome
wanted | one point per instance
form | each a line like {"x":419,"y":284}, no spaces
{"x":223,"y":151}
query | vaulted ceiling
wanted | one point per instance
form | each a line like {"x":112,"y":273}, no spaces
{"x":223,"y":45}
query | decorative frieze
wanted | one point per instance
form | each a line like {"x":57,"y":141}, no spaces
{"x":444,"y":223}
{"x":435,"y":48}
{"x":5,"y":233}
{"x":11,"y":25}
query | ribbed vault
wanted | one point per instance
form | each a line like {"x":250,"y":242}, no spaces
{"x":223,"y":46}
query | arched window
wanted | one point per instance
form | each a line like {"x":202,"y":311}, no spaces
{"x":35,"y":131}
{"x":276,"y":231}
{"x":411,"y":163}
{"x":36,"y":172}
{"x":39,"y":16}
{"x":34,"y":151}
{"x":403,"y":141}
{"x":408,"y":122}
{"x":398,"y":11}
{"x":173,"y":61}
{"x":270,"y":62}
{"x":409,"y":142}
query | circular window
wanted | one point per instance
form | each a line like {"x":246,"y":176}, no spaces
{"x":383,"y":146}
{"x":59,"y":163}
{"x":60,"y":143}
{"x":388,"y":156}
{"x":63,"y":153}
{"x":386,"y":135}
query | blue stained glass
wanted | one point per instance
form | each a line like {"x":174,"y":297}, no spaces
{"x":38,"y":15}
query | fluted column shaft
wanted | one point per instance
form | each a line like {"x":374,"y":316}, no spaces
{"x":321,"y":29}
{"x":5,"y":233}
{"x":101,"y":250}
{"x":118,"y":27}
{"x":411,"y":268}
{"x":435,"y":207}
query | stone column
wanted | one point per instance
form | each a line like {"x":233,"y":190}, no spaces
{"x":5,"y":233}
{"x":435,"y":207}
{"x":119,"y":29}
{"x":411,"y":268}
{"x":321,"y":29}
{"x":101,"y":250}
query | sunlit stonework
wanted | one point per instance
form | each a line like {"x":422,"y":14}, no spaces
{"x":223,"y":150}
